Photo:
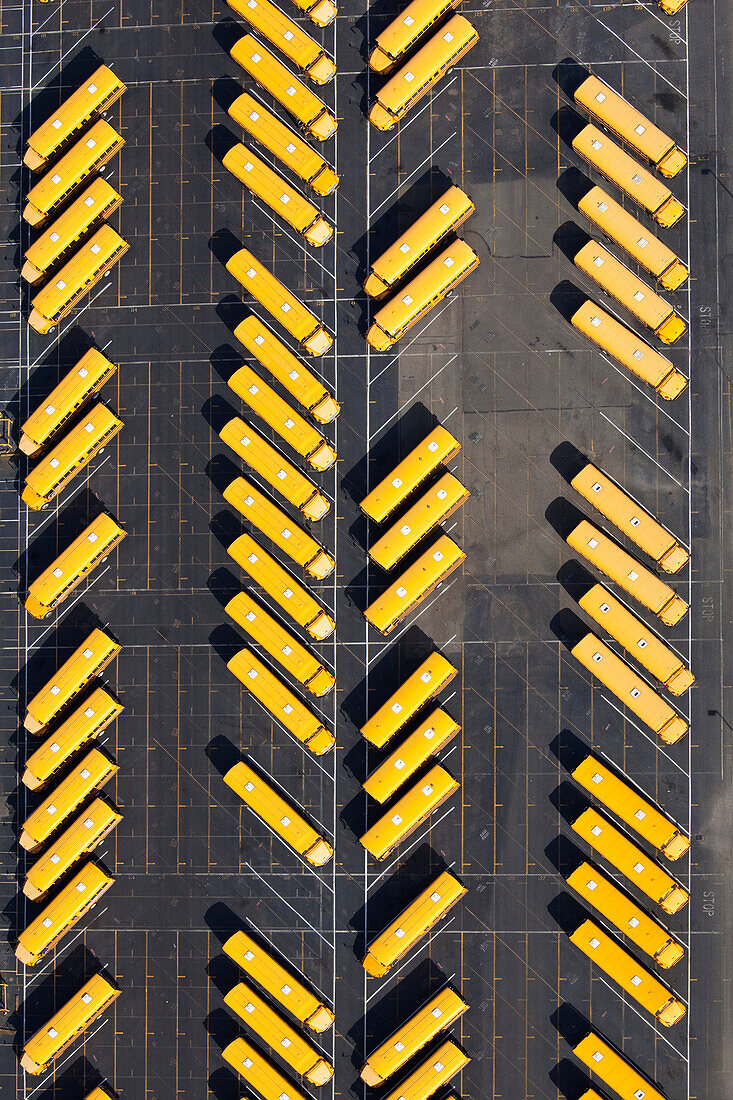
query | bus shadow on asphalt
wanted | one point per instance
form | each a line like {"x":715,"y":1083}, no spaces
{"x":569,"y":1080}
{"x":397,"y":1004}
{"x":383,"y":455}
{"x":390,"y":670}
{"x":395,"y":894}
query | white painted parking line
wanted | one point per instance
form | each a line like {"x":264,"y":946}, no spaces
{"x":411,"y":958}
{"x":646,"y":735}
{"x":64,"y":610}
{"x":413,"y":118}
{"x":287,"y":903}
{"x":413,"y":396}
{"x":648,"y":64}
{"x":433,"y":317}
{"x":407,"y":179}
{"x":65,"y":500}
{"x":85,"y":1038}
{"x":657,"y":404}
{"x":639,"y":447}
{"x":622,"y":996}
{"x":71,"y":49}
{"x":403,"y":853}
{"x":412,"y":619}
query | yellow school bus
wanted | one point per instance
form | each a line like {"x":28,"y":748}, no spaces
{"x":433,"y":508}
{"x":90,"y":152}
{"x":424,"y":69}
{"x":412,"y":924}
{"x":75,"y":451}
{"x":288,"y":37}
{"x":92,"y":98}
{"x":615,"y":847}
{"x":438,"y":1013}
{"x":279,"y":982}
{"x":320,"y":12}
{"x":73,"y":564}
{"x":288,"y":593}
{"x":83,"y":380}
{"x":94,"y":997}
{"x":629,"y":350}
{"x":444,"y":216}
{"x":638,"y":183}
{"x":631,"y":518}
{"x":646,"y":587}
{"x":77,"y":277}
{"x":91,"y":773}
{"x":433,"y":567}
{"x":276,"y":470}
{"x":618,"y":115}
{"x":279,"y":528}
{"x":277,"y":1034}
{"x":427,"y":680}
{"x":260,"y":1074}
{"x":613,"y":1070}
{"x":97,"y":203}
{"x":409,"y":812}
{"x":280,"y":303}
{"x":266,"y":403}
{"x":438,"y":446}
{"x":289,"y":147}
{"x":60,"y":915}
{"x":100,"y":1093}
{"x":280,"y":815}
{"x":270,"y":187}
{"x":430,"y":737}
{"x":301,"y":663}
{"x":632,"y":292}
{"x":671,"y":7}
{"x":421,"y":294}
{"x":634,"y":810}
{"x":618,"y":908}
{"x":623,"y":228}
{"x":92,"y":656}
{"x":432,"y":1074}
{"x":630,"y":689}
{"x":307,"y":389}
{"x":84,"y":834}
{"x":292,"y":94}
{"x":622,"y":968}
{"x":405,"y":30}
{"x":281,"y":703}
{"x":84,"y":723}
{"x":636,"y":637}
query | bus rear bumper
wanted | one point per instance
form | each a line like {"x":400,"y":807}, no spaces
{"x":672,"y":163}
{"x":680,"y":681}
{"x":673,"y":611}
{"x":669,"y":212}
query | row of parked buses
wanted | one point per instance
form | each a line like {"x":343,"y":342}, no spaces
{"x":281,"y":442}
{"x":70,"y":712}
{"x":279,"y":667}
{"x":412,"y":293}
{"x":617,"y":796}
{"x":408,"y":784}
{"x":295,"y":97}
{"x":434,"y":507}
{"x":619,"y":824}
{"x":68,"y":429}
{"x":73,"y":251}
{"x":641,"y":184}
